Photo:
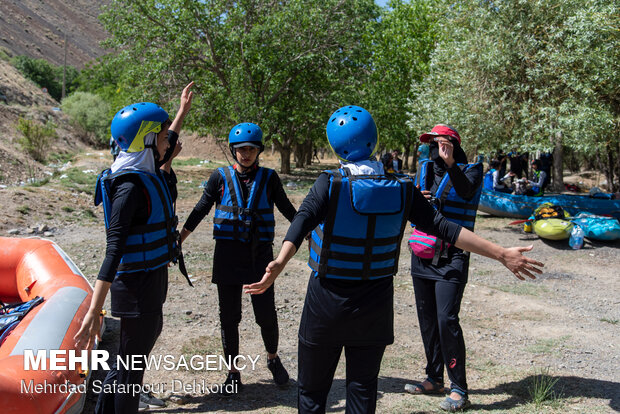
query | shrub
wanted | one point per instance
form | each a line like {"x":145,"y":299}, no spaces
{"x":46,"y":75}
{"x":36,"y":138}
{"x":88,"y":112}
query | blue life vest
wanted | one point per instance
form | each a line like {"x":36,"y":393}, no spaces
{"x":488,"y":180}
{"x":238,"y":219}
{"x":450,"y":204}
{"x":151,"y":245}
{"x":360,"y":238}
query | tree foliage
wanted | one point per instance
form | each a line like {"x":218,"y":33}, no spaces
{"x":46,"y":75}
{"x":90,"y":113}
{"x":36,"y":137}
{"x":401,"y":43}
{"x":536,"y":75}
{"x":285,"y":65}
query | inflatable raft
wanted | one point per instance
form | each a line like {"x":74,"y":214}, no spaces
{"x":598,"y":227}
{"x":551,"y":222}
{"x":522,"y":206}
{"x":31,"y":268}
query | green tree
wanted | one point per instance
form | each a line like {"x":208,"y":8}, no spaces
{"x":401,"y":43}
{"x":90,"y":113}
{"x":46,"y":75}
{"x":281,"y":64}
{"x":537,"y":75}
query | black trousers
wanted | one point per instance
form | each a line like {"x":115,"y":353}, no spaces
{"x":138,"y":336}
{"x":438,"y":304}
{"x":230,"y":316}
{"x":317,"y":364}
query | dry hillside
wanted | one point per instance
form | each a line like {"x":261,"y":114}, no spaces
{"x":36,"y":28}
{"x":25,"y":100}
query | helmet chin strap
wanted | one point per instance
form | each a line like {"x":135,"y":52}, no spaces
{"x":155,"y":151}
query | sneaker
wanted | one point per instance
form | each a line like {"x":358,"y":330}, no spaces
{"x":150,"y":400}
{"x":143,"y":406}
{"x":232,"y":385}
{"x":280,"y":376}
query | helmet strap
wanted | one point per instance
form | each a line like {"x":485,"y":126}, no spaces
{"x":155,"y":151}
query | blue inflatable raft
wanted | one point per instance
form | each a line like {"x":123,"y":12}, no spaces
{"x":522,"y":206}
{"x":598,"y":227}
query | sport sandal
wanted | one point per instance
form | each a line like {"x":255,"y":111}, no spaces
{"x":452,"y":405}
{"x":418,"y":388}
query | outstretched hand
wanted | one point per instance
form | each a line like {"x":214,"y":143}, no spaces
{"x":272,"y":271}
{"x":519,"y":264}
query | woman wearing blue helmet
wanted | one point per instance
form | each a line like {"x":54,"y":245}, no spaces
{"x":357,"y":216}
{"x":138,"y":206}
{"x":243,"y":228}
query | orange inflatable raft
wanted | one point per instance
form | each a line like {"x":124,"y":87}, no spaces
{"x":31,"y":268}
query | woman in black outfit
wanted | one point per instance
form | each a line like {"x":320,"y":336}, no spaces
{"x":349,"y":303}
{"x":439,"y":283}
{"x":244,"y":196}
{"x":137,"y":202}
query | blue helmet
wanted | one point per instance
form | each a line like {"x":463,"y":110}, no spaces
{"x":132,"y":123}
{"x":245,"y":134}
{"x":352,"y":133}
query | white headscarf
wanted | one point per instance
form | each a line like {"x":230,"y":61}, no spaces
{"x":140,"y":161}
{"x":366,"y":167}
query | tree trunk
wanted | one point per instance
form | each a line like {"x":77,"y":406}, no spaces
{"x":308,"y":151}
{"x":406,"y":156}
{"x":558,"y":163}
{"x":284,"y":148}
{"x":617,"y":187}
{"x":610,"y":168}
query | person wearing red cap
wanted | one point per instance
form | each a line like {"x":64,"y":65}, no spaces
{"x":453,"y":186}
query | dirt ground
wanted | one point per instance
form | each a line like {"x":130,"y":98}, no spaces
{"x":564,"y":324}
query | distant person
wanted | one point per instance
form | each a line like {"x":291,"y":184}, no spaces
{"x":502,"y":158}
{"x":397,"y":162}
{"x":114,"y":149}
{"x":538,"y":181}
{"x":516,"y":168}
{"x":492,"y":180}
{"x":546,"y":165}
{"x":423,"y":152}
{"x":388,"y":165}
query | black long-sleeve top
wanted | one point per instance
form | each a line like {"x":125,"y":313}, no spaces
{"x":314,"y":210}
{"x":129,"y":207}
{"x":235,"y":262}
{"x":357,"y":313}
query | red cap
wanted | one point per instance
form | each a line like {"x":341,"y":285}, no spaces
{"x":440,"y":130}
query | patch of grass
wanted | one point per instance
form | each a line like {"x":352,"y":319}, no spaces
{"x":611,"y":321}
{"x":60,"y":157}
{"x":88,"y":213}
{"x":23,"y":210}
{"x":530,"y":289}
{"x":547,"y":346}
{"x":190,"y":161}
{"x":203,"y":345}
{"x":541,"y":389}
{"x":68,"y":209}
{"x":77,"y":180}
{"x":37,"y":183}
